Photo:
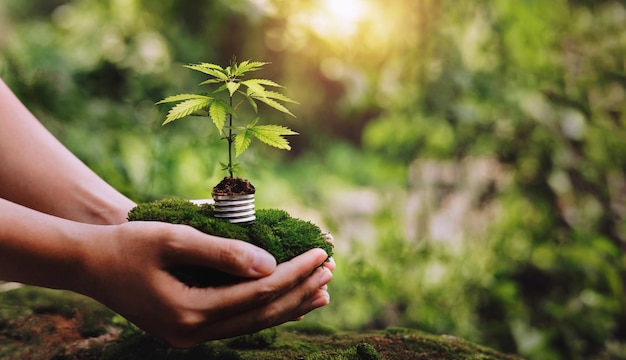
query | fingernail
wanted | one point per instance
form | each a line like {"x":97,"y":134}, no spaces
{"x":321,"y":300}
{"x":325,"y":277}
{"x":264,"y":263}
{"x":331,"y":263}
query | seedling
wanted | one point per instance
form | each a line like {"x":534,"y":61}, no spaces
{"x":222,"y":106}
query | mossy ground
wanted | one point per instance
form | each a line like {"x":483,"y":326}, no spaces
{"x":45,"y":324}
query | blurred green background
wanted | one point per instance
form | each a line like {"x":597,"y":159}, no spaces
{"x":468,"y":156}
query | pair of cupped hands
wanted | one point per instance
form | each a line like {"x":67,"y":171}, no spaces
{"x":141,"y":289}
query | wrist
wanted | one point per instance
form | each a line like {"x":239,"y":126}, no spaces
{"x":91,"y":259}
{"x":104,"y":211}
{"x":39,"y":249}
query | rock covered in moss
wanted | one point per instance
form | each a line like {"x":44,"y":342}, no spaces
{"x":274,"y":230}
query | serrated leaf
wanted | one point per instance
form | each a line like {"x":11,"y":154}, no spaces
{"x":232,"y":87}
{"x":211,"y":81}
{"x":218,"y":111}
{"x":247,"y":66}
{"x":242,"y":141}
{"x":209,"y":69}
{"x":220,"y":89}
{"x":254,"y":88}
{"x":278,"y":96}
{"x":272,"y":135}
{"x":273,"y":103}
{"x":265,"y":82}
{"x":202,"y":67}
{"x":179,"y":97}
{"x":210,"y":66}
{"x":253,"y":104}
{"x":187,"y":107}
{"x":239,"y":67}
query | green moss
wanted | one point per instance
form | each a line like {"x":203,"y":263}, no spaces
{"x":310,"y":328}
{"x":137,"y":345}
{"x":273,"y":230}
{"x":360,"y":351}
{"x":259,"y":340}
{"x":366,"y":351}
{"x":451,"y":347}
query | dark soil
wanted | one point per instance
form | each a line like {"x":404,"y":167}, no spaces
{"x":233,"y":186}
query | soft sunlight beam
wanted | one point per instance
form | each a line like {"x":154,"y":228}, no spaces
{"x":339,"y":18}
{"x":350,"y":11}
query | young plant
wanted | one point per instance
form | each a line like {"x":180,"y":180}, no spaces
{"x":223,"y":103}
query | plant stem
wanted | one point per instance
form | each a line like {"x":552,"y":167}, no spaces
{"x":230,"y":139}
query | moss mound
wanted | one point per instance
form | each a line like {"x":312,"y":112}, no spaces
{"x":273,"y":230}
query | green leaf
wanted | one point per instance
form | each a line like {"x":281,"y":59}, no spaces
{"x":209,"y":66}
{"x":279,"y":96}
{"x":247,"y":66}
{"x":232,"y":87}
{"x":253,"y":104}
{"x":273,"y":103}
{"x":180,"y":97}
{"x":254,"y":88}
{"x":211,"y":81}
{"x":272,"y":135}
{"x":220,"y":89}
{"x":242,"y":141}
{"x":218,"y":111}
{"x":209,"y":69}
{"x":264,"y":82}
{"x":187,"y":107}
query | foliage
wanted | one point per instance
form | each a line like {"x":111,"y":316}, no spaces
{"x":219,"y":110}
{"x":525,"y":89}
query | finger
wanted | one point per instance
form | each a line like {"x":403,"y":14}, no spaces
{"x":241,"y":297}
{"x":192,"y":247}
{"x":330,"y":264}
{"x":291,"y":305}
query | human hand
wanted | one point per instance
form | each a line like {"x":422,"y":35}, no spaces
{"x":130,"y":271}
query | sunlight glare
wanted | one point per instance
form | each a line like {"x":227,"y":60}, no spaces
{"x":340,"y":18}
{"x":349,"y":10}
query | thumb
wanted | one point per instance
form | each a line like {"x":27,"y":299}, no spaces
{"x":235,"y":257}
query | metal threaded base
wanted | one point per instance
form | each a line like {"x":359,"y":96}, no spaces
{"x":235,"y":208}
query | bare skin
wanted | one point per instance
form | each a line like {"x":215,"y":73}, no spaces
{"x":84,"y":244}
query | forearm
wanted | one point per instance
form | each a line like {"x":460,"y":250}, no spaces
{"x":37,"y":171}
{"x":43,"y":250}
